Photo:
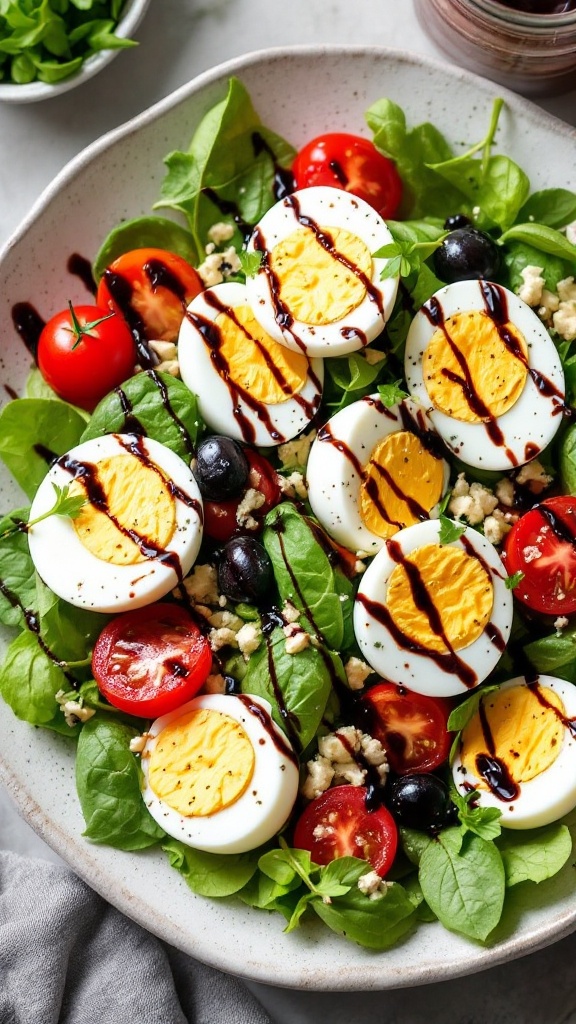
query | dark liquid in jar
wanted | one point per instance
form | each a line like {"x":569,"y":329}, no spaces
{"x":540,"y":6}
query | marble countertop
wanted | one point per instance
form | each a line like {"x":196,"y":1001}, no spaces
{"x":179,"y":39}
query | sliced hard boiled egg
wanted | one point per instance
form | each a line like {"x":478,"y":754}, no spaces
{"x":318,"y":288}
{"x":486,"y":369}
{"x":249,"y":386}
{"x":373,"y":470}
{"x":219,"y":775}
{"x":431,"y":616}
{"x":137,"y":534}
{"x":519,"y":751}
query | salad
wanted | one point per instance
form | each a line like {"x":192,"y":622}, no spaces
{"x":316,"y":584}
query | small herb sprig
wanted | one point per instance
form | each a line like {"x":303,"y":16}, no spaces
{"x":65,"y":504}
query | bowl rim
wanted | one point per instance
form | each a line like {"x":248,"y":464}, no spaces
{"x":10,"y":92}
{"x":366,"y":977}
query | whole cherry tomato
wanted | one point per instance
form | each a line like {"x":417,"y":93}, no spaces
{"x":84,"y":352}
{"x":351,"y":163}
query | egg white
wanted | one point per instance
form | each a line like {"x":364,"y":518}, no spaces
{"x":75,"y":574}
{"x":264,"y":807}
{"x":531,"y":423}
{"x":332,"y":478}
{"x":549,"y":795}
{"x":222,"y":405}
{"x":328,"y":208}
{"x":417,"y":670}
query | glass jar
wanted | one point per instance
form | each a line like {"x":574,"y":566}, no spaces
{"x":532,"y":53}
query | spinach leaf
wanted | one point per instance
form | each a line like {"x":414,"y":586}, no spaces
{"x":296,"y":685}
{"x":534,"y":855}
{"x":266,"y":894}
{"x":142,"y":233}
{"x":545,"y":239}
{"x":567,"y":460}
{"x":211,"y":874}
{"x":29,"y":682}
{"x":554,"y":654}
{"x":555,"y":207}
{"x":425,"y":194}
{"x":304,"y":574}
{"x":161,"y":407}
{"x":32,"y":432}
{"x":376,"y":923}
{"x":228,"y":172}
{"x":67,"y":631}
{"x":18,"y":584}
{"x":518,"y":255}
{"x":349,"y":378}
{"x":463,"y":882}
{"x":108,"y":784}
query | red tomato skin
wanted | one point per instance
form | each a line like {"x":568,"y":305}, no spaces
{"x":167,"y":638}
{"x":412,"y":727}
{"x":82,"y":371}
{"x":160,"y":284}
{"x":220,"y":522}
{"x":549,"y":583}
{"x":352,"y":163}
{"x":350,"y":829}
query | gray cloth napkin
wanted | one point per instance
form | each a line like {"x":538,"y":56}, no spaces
{"x":68,"y":957}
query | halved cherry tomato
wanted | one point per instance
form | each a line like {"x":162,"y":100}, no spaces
{"x":151,"y":289}
{"x":338,"y":824}
{"x":150,"y":661}
{"x":220,"y":519}
{"x":412,"y":727}
{"x":84,"y":352}
{"x":351,"y":163}
{"x":542,"y":545}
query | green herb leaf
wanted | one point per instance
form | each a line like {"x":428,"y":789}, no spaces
{"x":391,"y":394}
{"x":450,"y":530}
{"x":482,"y":821}
{"x":250,"y":262}
{"x":511,"y":582}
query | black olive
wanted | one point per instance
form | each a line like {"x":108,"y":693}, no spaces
{"x":244,"y":570}
{"x":467,"y":254}
{"x":419,"y":801}
{"x":457,"y":220}
{"x":221,"y":468}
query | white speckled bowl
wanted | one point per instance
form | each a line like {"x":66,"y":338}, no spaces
{"x":133,"y":13}
{"x":298,"y":92}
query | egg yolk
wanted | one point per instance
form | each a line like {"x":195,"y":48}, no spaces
{"x":270,"y":372}
{"x":201,"y":763}
{"x":470,"y":372}
{"x":321,"y":284}
{"x":440,"y":582}
{"x":401,"y":483}
{"x":517,"y":728}
{"x":138,"y":504}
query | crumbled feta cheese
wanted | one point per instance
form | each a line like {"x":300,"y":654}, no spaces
{"x":290,"y":613}
{"x":201,"y":585}
{"x":549,"y":303}
{"x":349,"y":772}
{"x":530,"y":553}
{"x":298,"y":484}
{"x":566,"y":290}
{"x":533,"y":476}
{"x":496,"y":527}
{"x":251,"y":501}
{"x":215,"y":683}
{"x":564,"y":319}
{"x":533,"y":283}
{"x":471,"y":501}
{"x":222,"y":637}
{"x":505,"y":491}
{"x":248,"y":638}
{"x":137,"y":743}
{"x":357,"y":672}
{"x":560,"y":623}
{"x":73,"y":709}
{"x":297,"y":639}
{"x":369,"y":883}
{"x":294,"y":453}
{"x":338,"y":746}
{"x":318,"y":779}
{"x":219,"y":265}
{"x":226,"y":618}
{"x":220,"y":232}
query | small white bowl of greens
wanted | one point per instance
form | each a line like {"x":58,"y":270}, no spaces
{"x":48,"y":52}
